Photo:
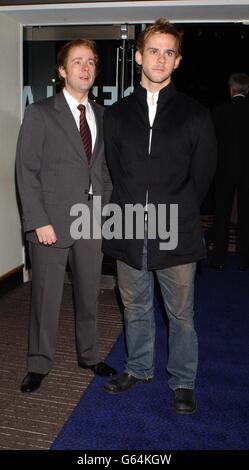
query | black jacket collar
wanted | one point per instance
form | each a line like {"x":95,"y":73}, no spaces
{"x":164,"y":95}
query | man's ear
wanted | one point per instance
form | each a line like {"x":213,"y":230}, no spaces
{"x":177,"y":62}
{"x":62,"y":72}
{"x":138,"y":57}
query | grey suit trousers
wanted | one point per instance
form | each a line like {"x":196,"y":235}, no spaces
{"x":48,"y":270}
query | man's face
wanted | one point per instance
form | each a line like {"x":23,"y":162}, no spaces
{"x":80,"y":71}
{"x":158,"y":61}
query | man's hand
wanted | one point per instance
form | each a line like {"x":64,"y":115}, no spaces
{"x":46,"y":235}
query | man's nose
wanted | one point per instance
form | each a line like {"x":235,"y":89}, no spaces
{"x":85,"y":65}
{"x":161,"y":58}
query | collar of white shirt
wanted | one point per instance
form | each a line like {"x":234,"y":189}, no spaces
{"x":152,"y":105}
{"x":73,"y":104}
{"x":238,"y":94}
{"x":152,"y":98}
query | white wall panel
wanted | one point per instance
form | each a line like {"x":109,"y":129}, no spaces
{"x":10,"y":118}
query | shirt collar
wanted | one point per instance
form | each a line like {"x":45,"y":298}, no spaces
{"x":73,"y":103}
{"x":238,"y":94}
{"x":165,"y":94}
{"x":152,"y":97}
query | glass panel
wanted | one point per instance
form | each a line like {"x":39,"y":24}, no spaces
{"x":41,"y":46}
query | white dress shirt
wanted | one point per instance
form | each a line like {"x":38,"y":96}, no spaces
{"x":152,"y":99}
{"x":90,"y":117}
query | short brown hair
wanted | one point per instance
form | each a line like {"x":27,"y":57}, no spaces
{"x":161,"y":26}
{"x":64,"y":51}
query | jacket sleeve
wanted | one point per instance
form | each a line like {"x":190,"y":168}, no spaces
{"x":107,"y":183}
{"x":204,"y":155}
{"x":111,"y":148}
{"x":28,"y":167}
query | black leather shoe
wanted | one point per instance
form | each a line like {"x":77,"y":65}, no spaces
{"x":122,"y":383}
{"x":101,"y":369}
{"x":31,"y":382}
{"x":217,"y":267}
{"x":184,"y":401}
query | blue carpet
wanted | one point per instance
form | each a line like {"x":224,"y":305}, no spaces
{"x":143,"y":418}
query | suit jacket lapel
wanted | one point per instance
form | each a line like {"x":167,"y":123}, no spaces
{"x":67,"y":122}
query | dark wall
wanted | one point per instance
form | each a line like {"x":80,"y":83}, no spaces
{"x":211,"y":53}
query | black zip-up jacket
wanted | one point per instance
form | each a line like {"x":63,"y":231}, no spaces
{"x":178,"y":169}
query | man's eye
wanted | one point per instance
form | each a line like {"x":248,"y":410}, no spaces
{"x":171,"y":53}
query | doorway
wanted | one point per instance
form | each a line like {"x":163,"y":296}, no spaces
{"x":115,"y":46}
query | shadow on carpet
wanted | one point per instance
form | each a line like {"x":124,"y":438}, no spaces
{"x":143,"y":418}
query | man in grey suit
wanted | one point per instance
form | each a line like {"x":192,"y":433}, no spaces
{"x":57,"y":168}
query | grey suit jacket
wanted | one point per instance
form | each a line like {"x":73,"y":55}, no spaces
{"x":52,"y":169}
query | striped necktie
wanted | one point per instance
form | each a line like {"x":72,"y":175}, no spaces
{"x":85,"y":132}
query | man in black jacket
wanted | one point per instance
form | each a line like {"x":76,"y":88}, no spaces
{"x":231,"y":120}
{"x":161,"y":149}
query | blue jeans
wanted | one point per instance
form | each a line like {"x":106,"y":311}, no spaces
{"x":137,"y":292}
